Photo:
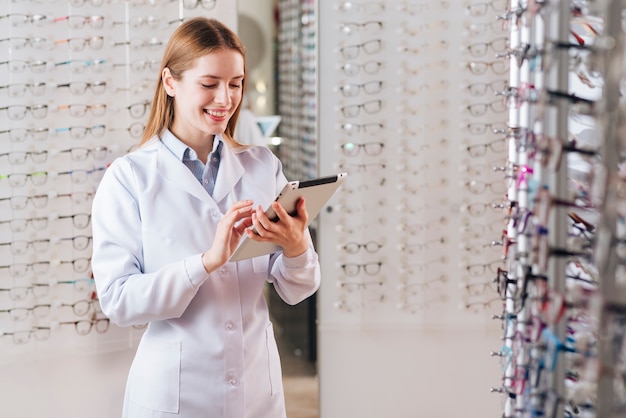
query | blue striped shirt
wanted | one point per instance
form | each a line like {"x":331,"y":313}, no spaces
{"x":206,"y":174}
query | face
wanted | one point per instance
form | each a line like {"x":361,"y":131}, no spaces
{"x":206,"y":96}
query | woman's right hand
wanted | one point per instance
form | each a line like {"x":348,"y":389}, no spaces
{"x":230,"y":229}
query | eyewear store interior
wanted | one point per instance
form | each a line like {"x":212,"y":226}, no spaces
{"x":473,"y":260}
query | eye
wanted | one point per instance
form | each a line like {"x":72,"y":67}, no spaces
{"x":236,"y":86}
{"x":208,"y":86}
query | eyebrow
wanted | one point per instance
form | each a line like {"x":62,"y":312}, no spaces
{"x":219,"y":78}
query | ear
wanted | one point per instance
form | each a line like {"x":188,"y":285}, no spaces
{"x":168,"y":82}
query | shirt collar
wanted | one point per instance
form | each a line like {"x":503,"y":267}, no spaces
{"x":181,"y":151}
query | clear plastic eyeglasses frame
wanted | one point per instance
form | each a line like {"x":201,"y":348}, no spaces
{"x":24,"y":337}
{"x":81,"y":87}
{"x":20,"y":247}
{"x":20,"y":89}
{"x":80,"y":132}
{"x":80,"y":21}
{"x":21,"y":293}
{"x":19,"y":66}
{"x":98,"y":153}
{"x":80,"y":110}
{"x":353,"y":247}
{"x":19,"y":179}
{"x":20,"y":157}
{"x":351,"y":52}
{"x":367,"y":7}
{"x":21,"y":314}
{"x":84,"y":327}
{"x":21,"y":19}
{"x":206,"y":4}
{"x":18,"y":112}
{"x":79,"y":44}
{"x":21,"y":202}
{"x":19,"y":43}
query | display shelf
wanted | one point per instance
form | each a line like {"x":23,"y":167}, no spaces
{"x":78,"y":77}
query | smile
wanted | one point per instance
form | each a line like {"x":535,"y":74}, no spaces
{"x":217,"y":114}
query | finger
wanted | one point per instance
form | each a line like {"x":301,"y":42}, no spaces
{"x":301,"y":209}
{"x":244,"y":225}
{"x":260,"y":219}
{"x":280,"y":211}
{"x":300,"y":217}
{"x":240,"y":210}
{"x":263,"y":226}
{"x":245,"y":212}
{"x":242,"y":204}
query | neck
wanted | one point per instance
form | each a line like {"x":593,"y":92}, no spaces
{"x":202,"y":146}
{"x":203,"y":149}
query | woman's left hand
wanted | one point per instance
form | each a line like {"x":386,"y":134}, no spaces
{"x":288,"y":232}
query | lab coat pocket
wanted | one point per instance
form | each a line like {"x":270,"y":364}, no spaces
{"x":273,"y":361}
{"x":155,"y":375}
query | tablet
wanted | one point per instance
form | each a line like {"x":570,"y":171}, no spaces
{"x":316,"y":193}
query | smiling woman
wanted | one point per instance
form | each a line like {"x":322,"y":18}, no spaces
{"x":211,"y":93}
{"x":205,"y":65}
{"x":166,"y":219}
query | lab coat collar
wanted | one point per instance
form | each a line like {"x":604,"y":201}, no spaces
{"x":230,"y":172}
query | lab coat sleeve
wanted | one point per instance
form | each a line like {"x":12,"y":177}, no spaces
{"x":296,"y":278}
{"x":127,"y":295}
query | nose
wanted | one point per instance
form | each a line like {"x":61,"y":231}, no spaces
{"x":222,"y":95}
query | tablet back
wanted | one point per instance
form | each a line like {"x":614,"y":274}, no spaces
{"x":316,"y":193}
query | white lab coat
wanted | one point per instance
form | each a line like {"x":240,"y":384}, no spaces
{"x":209,"y":349}
{"x":247,"y":130}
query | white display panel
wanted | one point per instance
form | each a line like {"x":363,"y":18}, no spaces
{"x":411,"y":246}
{"x":422,"y":200}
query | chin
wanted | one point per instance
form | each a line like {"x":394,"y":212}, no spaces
{"x":215,"y":130}
{"x":218,"y":127}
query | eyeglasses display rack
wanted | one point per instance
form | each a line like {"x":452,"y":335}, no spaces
{"x":610,"y":309}
{"x":297,"y":95}
{"x":77,"y":81}
{"x":563,"y":305}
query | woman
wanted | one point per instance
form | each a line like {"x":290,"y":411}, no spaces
{"x":164,"y":227}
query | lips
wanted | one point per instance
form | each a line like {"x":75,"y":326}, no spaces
{"x":219,"y":114}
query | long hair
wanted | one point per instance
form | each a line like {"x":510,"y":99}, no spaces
{"x":193,"y":39}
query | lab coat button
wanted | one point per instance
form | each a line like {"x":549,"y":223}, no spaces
{"x":215,"y":214}
{"x":229,"y":325}
{"x":233,"y":382}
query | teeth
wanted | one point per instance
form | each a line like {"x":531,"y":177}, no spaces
{"x":216,"y":114}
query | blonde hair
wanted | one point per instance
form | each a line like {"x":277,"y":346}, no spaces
{"x":191,"y":40}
